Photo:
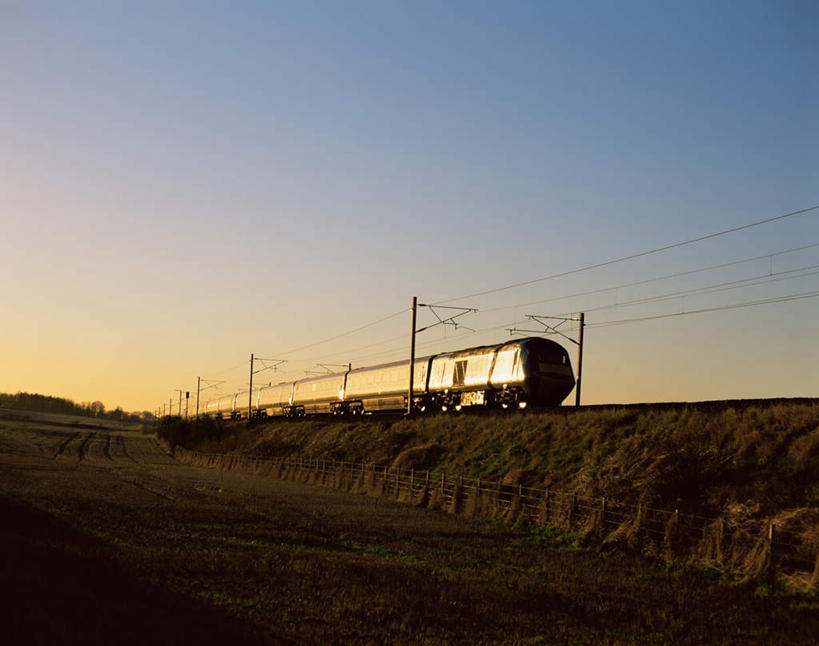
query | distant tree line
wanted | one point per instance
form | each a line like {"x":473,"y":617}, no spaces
{"x":49,"y":404}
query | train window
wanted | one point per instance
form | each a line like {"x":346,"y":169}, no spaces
{"x":459,"y":374}
{"x":552,"y":355}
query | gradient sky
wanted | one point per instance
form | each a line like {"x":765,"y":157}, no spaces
{"x":184,"y":183}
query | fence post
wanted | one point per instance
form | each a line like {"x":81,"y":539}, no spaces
{"x":720,"y":537}
{"x":771,"y":553}
{"x":547,"y":506}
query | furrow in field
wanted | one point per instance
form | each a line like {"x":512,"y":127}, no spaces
{"x":123,"y":448}
{"x":81,"y":452}
{"x":62,"y":447}
{"x":106,"y":449}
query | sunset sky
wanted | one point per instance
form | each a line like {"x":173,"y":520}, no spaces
{"x":184,"y":183}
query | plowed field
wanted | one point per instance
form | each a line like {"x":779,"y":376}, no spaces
{"x":105,"y":538}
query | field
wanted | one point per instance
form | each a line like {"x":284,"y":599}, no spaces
{"x":108,"y":539}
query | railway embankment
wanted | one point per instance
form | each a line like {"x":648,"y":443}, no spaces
{"x":740,"y":466}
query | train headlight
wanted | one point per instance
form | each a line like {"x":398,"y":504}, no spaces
{"x":458,"y":407}
{"x":522,"y":405}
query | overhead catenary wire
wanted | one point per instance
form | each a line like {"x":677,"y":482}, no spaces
{"x":713,"y":289}
{"x":761,"y":280}
{"x":647,"y":281}
{"x":429,"y":343}
{"x":316,"y":343}
{"x":718,"y":308}
{"x":347,"y":333}
{"x":629,"y":257}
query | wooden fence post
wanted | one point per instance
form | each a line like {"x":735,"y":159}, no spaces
{"x":771,"y":553}
{"x":547,"y":506}
{"x":641,"y":519}
{"x":720,"y":537}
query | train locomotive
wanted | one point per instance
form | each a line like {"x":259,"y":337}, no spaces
{"x":531,"y":371}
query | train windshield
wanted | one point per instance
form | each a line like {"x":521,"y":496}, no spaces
{"x":551,"y":356}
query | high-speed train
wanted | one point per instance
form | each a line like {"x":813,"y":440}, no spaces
{"x":530,"y":371}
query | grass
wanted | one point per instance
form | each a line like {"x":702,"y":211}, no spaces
{"x":700,"y":459}
{"x":748,"y":463}
{"x":254,"y":559}
{"x":697,"y":458}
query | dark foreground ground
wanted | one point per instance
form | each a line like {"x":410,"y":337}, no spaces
{"x":106,"y":539}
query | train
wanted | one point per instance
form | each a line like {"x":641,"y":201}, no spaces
{"x":524,"y":372}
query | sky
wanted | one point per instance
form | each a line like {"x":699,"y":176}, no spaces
{"x":183,"y":184}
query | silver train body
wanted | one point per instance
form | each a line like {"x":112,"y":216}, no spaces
{"x":531,"y":371}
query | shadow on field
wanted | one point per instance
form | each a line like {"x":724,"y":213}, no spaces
{"x":61,"y":587}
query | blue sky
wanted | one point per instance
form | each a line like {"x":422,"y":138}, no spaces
{"x":184,"y":183}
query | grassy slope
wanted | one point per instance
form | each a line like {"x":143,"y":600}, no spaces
{"x":699,"y":458}
{"x":748,"y":463}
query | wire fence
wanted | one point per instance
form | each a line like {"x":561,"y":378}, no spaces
{"x":750,"y":547}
